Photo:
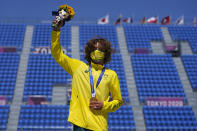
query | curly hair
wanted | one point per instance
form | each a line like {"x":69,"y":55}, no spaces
{"x":105,"y":47}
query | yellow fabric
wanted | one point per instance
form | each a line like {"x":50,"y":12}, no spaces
{"x":79,"y":112}
{"x":97,"y":55}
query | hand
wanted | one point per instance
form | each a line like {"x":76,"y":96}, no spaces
{"x":58,"y":26}
{"x":95,"y":104}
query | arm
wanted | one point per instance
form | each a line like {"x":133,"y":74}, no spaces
{"x":67,"y":63}
{"x":111,"y":106}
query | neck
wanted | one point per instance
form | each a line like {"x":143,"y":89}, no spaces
{"x":100,"y":63}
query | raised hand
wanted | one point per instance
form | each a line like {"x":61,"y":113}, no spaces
{"x":60,"y":24}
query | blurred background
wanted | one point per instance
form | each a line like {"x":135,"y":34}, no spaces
{"x":155,"y":58}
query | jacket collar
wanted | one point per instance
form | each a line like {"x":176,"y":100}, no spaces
{"x":97,"y":66}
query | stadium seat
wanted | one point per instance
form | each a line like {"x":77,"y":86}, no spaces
{"x":8,"y":72}
{"x":122,"y":119}
{"x":4,"y":112}
{"x":190,"y":64}
{"x":138,"y":36}
{"x":42,"y":36}
{"x":169,"y":118}
{"x":44,"y":117}
{"x":42,"y":73}
{"x":156,"y":76}
{"x":185,"y":33}
{"x":12,"y":35}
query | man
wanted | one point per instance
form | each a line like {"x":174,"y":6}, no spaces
{"x":92,"y":83}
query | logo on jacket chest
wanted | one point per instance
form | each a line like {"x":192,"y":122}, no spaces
{"x":105,"y":76}
{"x":86,"y":71}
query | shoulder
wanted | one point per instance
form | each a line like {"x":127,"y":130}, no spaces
{"x":77,"y":61}
{"x":81,"y":64}
{"x":111,"y":72}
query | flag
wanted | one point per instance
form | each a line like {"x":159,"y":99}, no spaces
{"x":118,"y":21}
{"x":180,"y":21}
{"x":103,"y":20}
{"x":152,"y":20}
{"x":165,"y":20}
{"x":128,"y":20}
{"x":143,"y":21}
{"x":194,"y":21}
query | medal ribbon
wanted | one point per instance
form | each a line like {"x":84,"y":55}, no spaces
{"x":93,"y":91}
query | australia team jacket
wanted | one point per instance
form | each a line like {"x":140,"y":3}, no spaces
{"x":79,"y":113}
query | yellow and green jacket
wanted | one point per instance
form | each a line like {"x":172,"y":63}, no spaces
{"x":79,"y":112}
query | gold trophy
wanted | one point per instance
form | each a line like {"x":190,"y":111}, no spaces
{"x":64,"y":13}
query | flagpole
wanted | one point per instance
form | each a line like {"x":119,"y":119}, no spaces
{"x":183,"y":20}
{"x":176,"y":21}
{"x":145,"y":19}
{"x":133,"y":15}
{"x":170,"y":18}
{"x":193,"y":22}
